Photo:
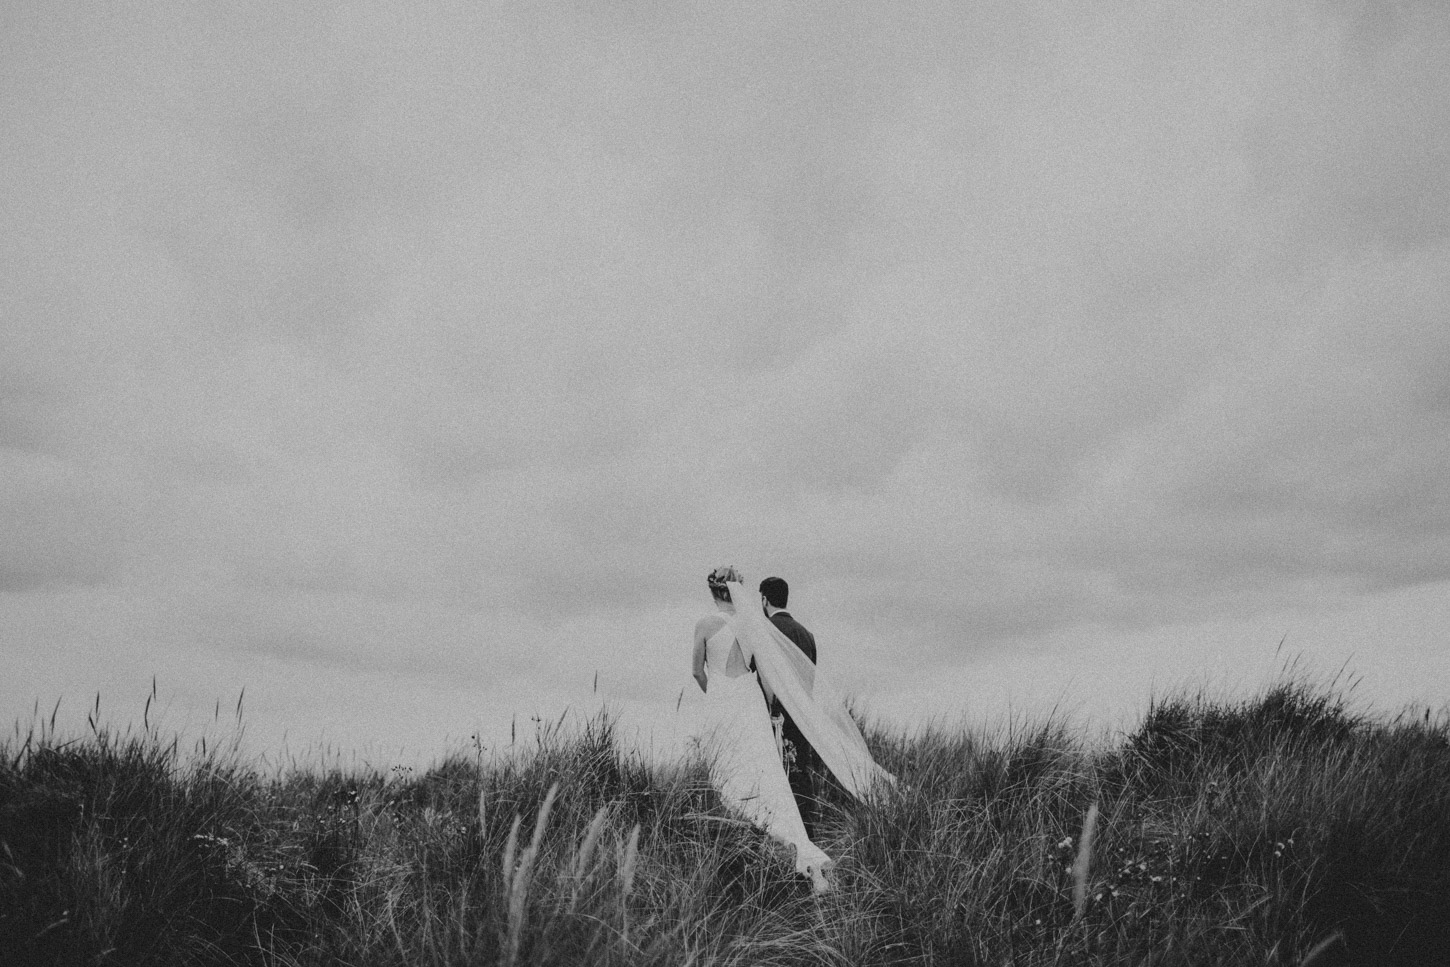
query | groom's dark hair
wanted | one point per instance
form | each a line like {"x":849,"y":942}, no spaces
{"x":776,"y":591}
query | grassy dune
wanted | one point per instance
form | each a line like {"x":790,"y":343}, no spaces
{"x":1283,"y":829}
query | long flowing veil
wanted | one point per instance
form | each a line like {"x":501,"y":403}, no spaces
{"x":813,"y":703}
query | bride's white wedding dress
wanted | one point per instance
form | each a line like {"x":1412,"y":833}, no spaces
{"x":745,"y":762}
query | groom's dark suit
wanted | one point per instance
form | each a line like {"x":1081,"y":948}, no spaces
{"x":802,"y":772}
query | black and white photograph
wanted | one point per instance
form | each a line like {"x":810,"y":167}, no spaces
{"x":736,"y":484}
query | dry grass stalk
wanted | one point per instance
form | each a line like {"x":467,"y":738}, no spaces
{"x":1321,"y":948}
{"x":510,"y":848}
{"x":1083,"y":862}
{"x":519,"y":887}
{"x":585,"y":855}
{"x":631,"y":860}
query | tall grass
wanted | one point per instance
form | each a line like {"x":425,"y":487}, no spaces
{"x":1283,"y":829}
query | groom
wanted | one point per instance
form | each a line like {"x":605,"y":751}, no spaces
{"x":801,"y":761}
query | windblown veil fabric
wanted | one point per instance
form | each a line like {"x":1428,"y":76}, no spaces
{"x":815,"y":706}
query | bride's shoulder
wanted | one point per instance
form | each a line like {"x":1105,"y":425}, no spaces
{"x":710,"y":624}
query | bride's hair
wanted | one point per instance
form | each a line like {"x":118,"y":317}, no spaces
{"x":718,"y":580}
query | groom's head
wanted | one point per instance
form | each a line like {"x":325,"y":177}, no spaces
{"x":775,"y":591}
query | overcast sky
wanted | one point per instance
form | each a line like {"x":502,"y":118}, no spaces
{"x":411,"y":364}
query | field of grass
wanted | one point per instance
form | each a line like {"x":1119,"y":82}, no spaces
{"x":1279,"y":829}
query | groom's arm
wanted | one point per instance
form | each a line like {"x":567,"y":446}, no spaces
{"x":808,"y":645}
{"x":765,"y":688}
{"x":797,"y":633}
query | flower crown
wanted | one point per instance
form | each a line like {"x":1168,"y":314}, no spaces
{"x":722,"y":576}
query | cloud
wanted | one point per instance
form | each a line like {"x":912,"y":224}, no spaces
{"x":369,"y":331}
{"x":1355,"y":148}
{"x":63,"y":527}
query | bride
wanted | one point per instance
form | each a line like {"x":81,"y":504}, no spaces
{"x":737,"y":653}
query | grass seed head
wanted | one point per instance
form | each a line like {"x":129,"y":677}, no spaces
{"x":631,"y":860}
{"x":1083,"y":863}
